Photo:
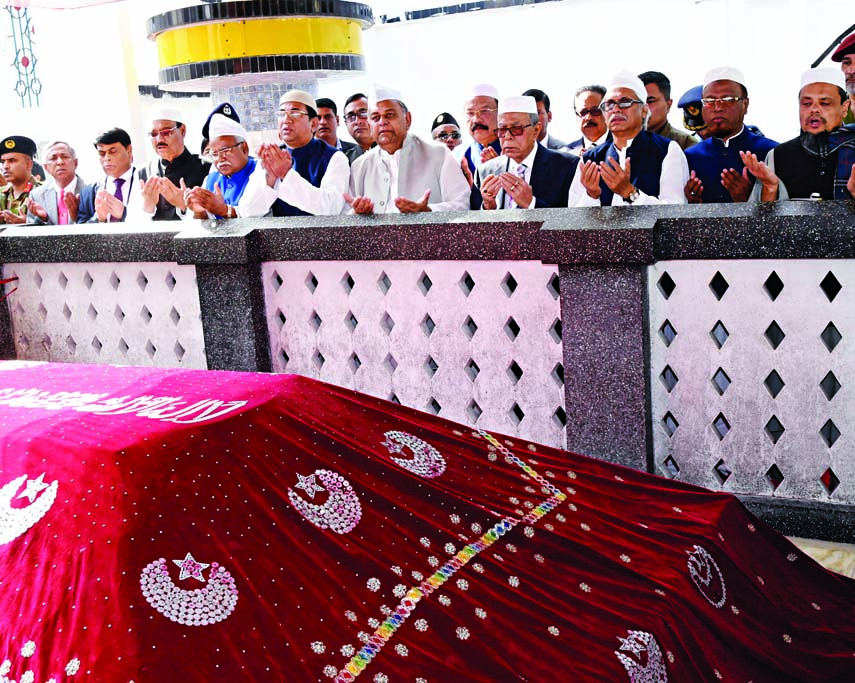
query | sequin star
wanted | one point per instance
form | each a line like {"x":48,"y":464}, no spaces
{"x":189,"y":567}
{"x":309,"y":485}
{"x":34,"y":486}
{"x":393,"y":446}
{"x":633,"y":644}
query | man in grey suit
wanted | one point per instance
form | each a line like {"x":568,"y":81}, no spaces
{"x":56,"y":202}
{"x":544,"y":116}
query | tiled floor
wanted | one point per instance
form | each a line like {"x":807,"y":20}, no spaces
{"x":839,"y":557}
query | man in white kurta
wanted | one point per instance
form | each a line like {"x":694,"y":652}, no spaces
{"x":403,"y":173}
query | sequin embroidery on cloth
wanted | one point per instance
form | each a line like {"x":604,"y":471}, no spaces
{"x":426,"y":461}
{"x":641,"y":668}
{"x":16,"y":521}
{"x":707,"y":576}
{"x":342,"y":510}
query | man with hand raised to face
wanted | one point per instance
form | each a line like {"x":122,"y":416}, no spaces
{"x":636,"y":166}
{"x":403,"y":174}
{"x":527,"y":175}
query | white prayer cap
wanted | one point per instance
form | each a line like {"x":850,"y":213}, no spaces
{"x":222,"y":125}
{"x":384,"y":92}
{"x":172,"y":114}
{"x":626,"y":79}
{"x":724,"y":73}
{"x":300,"y":96}
{"x":522,"y":104}
{"x":824,"y":74}
{"x":484,"y":90}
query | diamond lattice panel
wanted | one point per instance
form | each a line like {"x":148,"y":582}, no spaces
{"x":470,"y":341}
{"x":118,"y":313}
{"x":752,"y":369}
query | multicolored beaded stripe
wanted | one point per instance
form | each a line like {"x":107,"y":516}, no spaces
{"x":386,"y":630}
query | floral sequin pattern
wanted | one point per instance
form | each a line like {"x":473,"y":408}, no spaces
{"x":426,"y":461}
{"x":642,"y":658}
{"x":707,"y":576}
{"x":199,"y":607}
{"x":16,"y":521}
{"x":342,"y":510}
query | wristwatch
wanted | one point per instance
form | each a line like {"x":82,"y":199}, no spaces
{"x":632,"y":196}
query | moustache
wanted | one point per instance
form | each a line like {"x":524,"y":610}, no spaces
{"x":479,"y":126}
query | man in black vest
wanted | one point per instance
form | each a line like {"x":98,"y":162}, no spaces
{"x":820,"y":162}
{"x":636,"y":167}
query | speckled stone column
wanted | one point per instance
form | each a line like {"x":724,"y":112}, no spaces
{"x":606,"y":363}
{"x":7,"y":341}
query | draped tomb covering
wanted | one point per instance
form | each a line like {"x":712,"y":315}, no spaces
{"x":169,"y":525}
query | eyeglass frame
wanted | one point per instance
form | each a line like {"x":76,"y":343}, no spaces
{"x":293,"y":114}
{"x":164,"y":133}
{"x":472,"y":115}
{"x":725,"y":101}
{"x":454,"y":135}
{"x":590,"y":111}
{"x":502,"y":131}
{"x":216,"y":154}
{"x":351,"y":117}
{"x":623,"y":103}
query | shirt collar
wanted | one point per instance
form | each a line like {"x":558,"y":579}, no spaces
{"x":726,"y":142}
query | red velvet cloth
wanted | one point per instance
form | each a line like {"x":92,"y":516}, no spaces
{"x":600,"y":573}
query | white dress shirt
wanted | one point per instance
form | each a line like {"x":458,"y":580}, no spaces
{"x":326,"y":200}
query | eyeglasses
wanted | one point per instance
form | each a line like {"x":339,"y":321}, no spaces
{"x":474,"y":114}
{"x":293,"y":114}
{"x":623,"y":103}
{"x":351,"y":117}
{"x":515,"y":131}
{"x":591,"y":111}
{"x":216,"y":154}
{"x":444,"y":136}
{"x":723,"y":101}
{"x":163,"y":132}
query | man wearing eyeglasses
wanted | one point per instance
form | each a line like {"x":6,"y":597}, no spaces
{"x":356,"y":120}
{"x":404,"y":174}
{"x":636,"y":167}
{"x":527,"y":175}
{"x":592,"y":123}
{"x":328,"y":125}
{"x":718,"y":174}
{"x":446,"y":131}
{"x":481,"y":110}
{"x":305,"y":176}
{"x":175,"y":170}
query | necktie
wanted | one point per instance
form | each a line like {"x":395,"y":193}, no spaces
{"x":519,"y":172}
{"x":62,"y":209}
{"x":118,"y":193}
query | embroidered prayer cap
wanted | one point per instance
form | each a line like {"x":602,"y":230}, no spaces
{"x":522,"y":104}
{"x":724,"y":73}
{"x":444,"y":119}
{"x":824,"y":74}
{"x":626,"y":79}
{"x":225,"y":109}
{"x":18,"y":143}
{"x":847,"y":47}
{"x":222,"y":125}
{"x":484,"y":90}
{"x":300,"y":96}
{"x":166,"y":114}
{"x":384,"y":92}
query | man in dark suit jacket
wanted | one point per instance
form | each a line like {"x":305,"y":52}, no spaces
{"x":64,"y":185}
{"x":527,"y":175}
{"x":328,"y":122}
{"x":544,"y":114}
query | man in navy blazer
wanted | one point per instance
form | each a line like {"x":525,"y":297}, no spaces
{"x":527,"y":175}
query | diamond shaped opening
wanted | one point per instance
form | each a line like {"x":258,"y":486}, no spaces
{"x":433,"y":406}
{"x":347,"y":282}
{"x":559,"y":417}
{"x":97,"y":345}
{"x":554,"y":286}
{"x":721,"y":381}
{"x":318,"y":359}
{"x":469,"y":327}
{"x":829,"y":385}
{"x":774,"y":429}
{"x":117,"y":312}
{"x":387,"y":323}
{"x":669,"y":422}
{"x":428,"y":325}
{"x":43,"y":310}
{"x":666,"y":285}
{"x":721,"y":426}
{"x":24,"y":340}
{"x":170,"y":281}
{"x":394,"y":398}
{"x":71,"y":344}
{"x":774,"y":335}
{"x":92,"y":312}
{"x":142,"y":280}
{"x":719,"y":285}
{"x":351,"y":321}
{"x":467,"y":284}
{"x":671,"y":467}
{"x":830,"y":481}
{"x":829,"y":433}
{"x":555,"y":331}
{"x":88,"y":281}
{"x":558,"y":374}
{"x":774,"y":384}
{"x":277,"y":281}
{"x":512,"y":329}
{"x":425,"y":283}
{"x":114,"y":280}
{"x":123,"y":346}
{"x":431,"y":366}
{"x":774,"y":476}
{"x":66,"y":312}
{"x":384,"y":283}
{"x":354,"y":362}
{"x":472,"y":370}
{"x":150,"y":349}
{"x":390,"y":363}
{"x":311,"y":282}
{"x":719,"y":334}
{"x":473,"y":410}
{"x":174,"y":315}
{"x":179,"y":350}
{"x":47,"y":342}
{"x":280,"y":318}
{"x":145,"y":314}
{"x":830,"y":285}
{"x":315,"y":320}
{"x":517,"y":413}
{"x":722,"y":471}
{"x":830,"y":337}
{"x":63,"y":280}
{"x":515,"y":372}
{"x":669,"y":378}
{"x":509,"y":285}
{"x":773,"y":285}
{"x":283,"y":357}
{"x":667,"y":332}
{"x":38,"y":279}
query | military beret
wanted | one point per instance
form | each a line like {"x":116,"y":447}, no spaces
{"x":18,"y":143}
{"x":691,"y":105}
{"x":847,"y":47}
{"x":226,"y":110}
{"x":444,"y":119}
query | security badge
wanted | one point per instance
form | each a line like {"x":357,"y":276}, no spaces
{"x":10,"y":144}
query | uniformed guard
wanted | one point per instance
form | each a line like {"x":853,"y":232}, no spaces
{"x":16,"y":159}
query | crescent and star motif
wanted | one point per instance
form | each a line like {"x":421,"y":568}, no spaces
{"x":707,"y":576}
{"x":426,"y":461}
{"x":16,"y":521}
{"x":342,"y":510}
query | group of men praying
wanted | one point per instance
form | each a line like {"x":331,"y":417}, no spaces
{"x":628,"y":154}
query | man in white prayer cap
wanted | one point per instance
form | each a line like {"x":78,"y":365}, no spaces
{"x":636,"y":167}
{"x":481,"y":110}
{"x":527,"y":175}
{"x":236,"y":185}
{"x":718,"y":174}
{"x":403,"y":173}
{"x":820,"y":162}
